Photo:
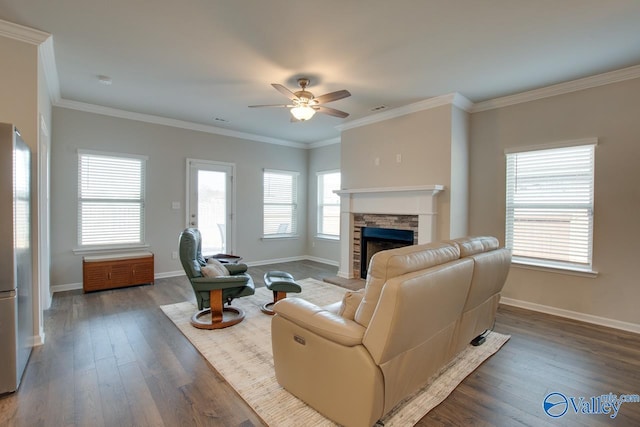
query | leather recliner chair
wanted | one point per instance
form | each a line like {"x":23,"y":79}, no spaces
{"x":213,"y":292}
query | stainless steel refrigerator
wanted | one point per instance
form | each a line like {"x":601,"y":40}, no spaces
{"x":16,"y":301}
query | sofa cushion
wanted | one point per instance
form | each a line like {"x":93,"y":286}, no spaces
{"x":385,"y":265}
{"x":350,"y":303}
{"x":474,"y":245}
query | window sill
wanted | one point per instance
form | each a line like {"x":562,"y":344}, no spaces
{"x":540,"y":266}
{"x":279,"y":236}
{"x":329,"y":237}
{"x":94,"y":250}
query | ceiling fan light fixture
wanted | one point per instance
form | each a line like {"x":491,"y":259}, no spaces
{"x":302,"y":112}
{"x":304,"y":104}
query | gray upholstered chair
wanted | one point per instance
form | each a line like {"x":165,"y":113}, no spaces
{"x":213,"y":292}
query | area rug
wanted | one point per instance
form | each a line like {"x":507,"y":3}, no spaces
{"x":242,"y":355}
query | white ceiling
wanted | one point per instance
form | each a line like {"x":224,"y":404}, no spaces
{"x":198,"y":60}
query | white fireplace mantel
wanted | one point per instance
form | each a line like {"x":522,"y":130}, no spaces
{"x":412,"y":200}
{"x":425,"y":188}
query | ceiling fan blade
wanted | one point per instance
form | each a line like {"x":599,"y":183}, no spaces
{"x":331,"y":111}
{"x":333,"y":96}
{"x":283,"y":90}
{"x":271,"y":105}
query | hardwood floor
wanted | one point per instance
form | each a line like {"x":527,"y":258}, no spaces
{"x":112,"y":358}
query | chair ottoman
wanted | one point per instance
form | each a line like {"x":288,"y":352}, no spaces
{"x":280,"y":283}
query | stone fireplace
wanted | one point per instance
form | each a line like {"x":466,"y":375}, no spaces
{"x":373,"y":233}
{"x":411,"y":209}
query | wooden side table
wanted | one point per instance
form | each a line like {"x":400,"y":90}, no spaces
{"x":227,"y":258}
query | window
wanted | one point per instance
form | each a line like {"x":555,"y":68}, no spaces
{"x":110,"y":199}
{"x":280,"y":203}
{"x":549,"y":218}
{"x":328,"y":204}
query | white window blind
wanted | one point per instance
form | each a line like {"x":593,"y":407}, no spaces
{"x":328,"y":204}
{"x":111,"y":192}
{"x":549,"y":217}
{"x":280,"y":203}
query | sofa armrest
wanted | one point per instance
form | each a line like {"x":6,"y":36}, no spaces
{"x":320,"y":321}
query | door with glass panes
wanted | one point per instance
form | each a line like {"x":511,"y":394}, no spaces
{"x":210,"y":204}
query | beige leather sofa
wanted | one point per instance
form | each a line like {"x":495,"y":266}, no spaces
{"x":357,"y":359}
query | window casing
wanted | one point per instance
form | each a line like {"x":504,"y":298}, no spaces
{"x":111,"y":205}
{"x":328,"y":204}
{"x":280,"y":203}
{"x":549,"y":206}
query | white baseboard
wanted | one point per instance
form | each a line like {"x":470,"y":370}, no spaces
{"x":66,"y":287}
{"x":323,"y":261}
{"x":275,"y":261}
{"x":36,"y":340}
{"x":588,"y":318}
{"x":75,"y":286}
{"x":345,"y":275}
{"x":169,"y":274}
{"x":291,"y":259}
{"x":40,"y":337}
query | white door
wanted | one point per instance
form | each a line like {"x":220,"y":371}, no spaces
{"x":210,"y":204}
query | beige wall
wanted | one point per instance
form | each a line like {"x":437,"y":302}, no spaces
{"x":321,"y":159}
{"x":431,"y":150}
{"x":19,"y":88}
{"x":167,"y":149}
{"x":612,"y":114}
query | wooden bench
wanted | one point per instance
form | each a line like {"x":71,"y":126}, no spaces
{"x":111,"y":271}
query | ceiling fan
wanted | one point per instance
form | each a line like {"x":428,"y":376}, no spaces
{"x":305,"y":105}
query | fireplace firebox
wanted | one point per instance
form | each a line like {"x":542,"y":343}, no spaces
{"x":375,"y":239}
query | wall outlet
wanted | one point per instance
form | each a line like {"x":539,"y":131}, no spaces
{"x":174,"y":255}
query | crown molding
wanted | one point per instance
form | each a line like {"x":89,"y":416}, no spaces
{"x":455,"y":99}
{"x":324,"y":143}
{"x":158,"y":120}
{"x":462,"y":102}
{"x":623,"y":74}
{"x":22,"y":33}
{"x":458,"y":100}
